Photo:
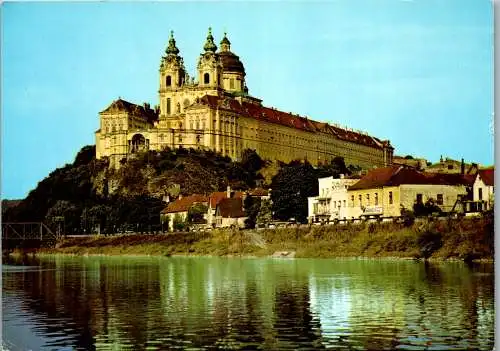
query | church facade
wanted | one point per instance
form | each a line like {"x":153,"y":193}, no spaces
{"x":215,"y":111}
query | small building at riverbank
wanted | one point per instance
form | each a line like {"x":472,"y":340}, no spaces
{"x":331,"y":202}
{"x":177,"y":211}
{"x":484,"y":189}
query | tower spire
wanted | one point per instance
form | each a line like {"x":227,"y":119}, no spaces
{"x":209,"y":44}
{"x":172,"y":48}
{"x":225,"y":44}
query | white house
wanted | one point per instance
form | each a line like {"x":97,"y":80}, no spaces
{"x":483,"y":189}
{"x":332,"y":201}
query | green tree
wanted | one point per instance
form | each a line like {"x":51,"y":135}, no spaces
{"x":291,"y":187}
{"x":196,"y":213}
{"x":334,"y":168}
{"x":178,"y":223}
{"x":252,"y":208}
{"x":265,"y":214}
{"x":251,"y":161}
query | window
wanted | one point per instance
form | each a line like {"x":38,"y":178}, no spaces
{"x":344,"y":203}
{"x":368,"y":199}
{"x":352,"y":200}
{"x":419,"y":198}
{"x":480,"y":194}
{"x":439,"y":199}
{"x":390,"y":197}
{"x":450,"y":166}
{"x":169,"y":81}
{"x":206,"y":78}
{"x":231,"y":83}
{"x":376,"y":199}
{"x":360,"y":200}
{"x":168,"y":106}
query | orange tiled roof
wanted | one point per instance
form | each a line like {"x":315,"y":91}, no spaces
{"x":289,"y":120}
{"x":184,"y":204}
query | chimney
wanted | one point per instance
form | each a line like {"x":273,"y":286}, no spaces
{"x":462,"y":167}
{"x":228,"y":192}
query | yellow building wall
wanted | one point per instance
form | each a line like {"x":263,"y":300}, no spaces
{"x":368,"y":200}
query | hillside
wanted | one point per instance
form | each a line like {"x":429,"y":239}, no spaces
{"x":87,"y":192}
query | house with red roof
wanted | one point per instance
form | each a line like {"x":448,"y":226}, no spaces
{"x":484,"y":189}
{"x":386,"y":191}
{"x":178,"y":209}
{"x":229,"y":213}
{"x":225,"y":213}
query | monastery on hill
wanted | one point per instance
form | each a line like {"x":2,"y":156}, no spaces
{"x":215,"y":111}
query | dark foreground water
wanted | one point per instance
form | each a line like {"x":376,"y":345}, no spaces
{"x":95,"y":303}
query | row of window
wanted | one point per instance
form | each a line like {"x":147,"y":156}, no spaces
{"x":367,"y":201}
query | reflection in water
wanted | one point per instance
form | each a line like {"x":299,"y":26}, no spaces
{"x":95,"y":303}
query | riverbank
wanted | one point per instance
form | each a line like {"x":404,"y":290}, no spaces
{"x":465,"y":239}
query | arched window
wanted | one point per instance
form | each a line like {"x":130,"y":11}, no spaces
{"x":169,"y":81}
{"x":206,"y":78}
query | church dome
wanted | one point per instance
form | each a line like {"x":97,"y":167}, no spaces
{"x":231,"y":62}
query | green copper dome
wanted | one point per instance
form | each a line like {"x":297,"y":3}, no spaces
{"x":209,"y":44}
{"x":172,"y":49}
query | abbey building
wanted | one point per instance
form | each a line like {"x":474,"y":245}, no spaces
{"x":215,"y":111}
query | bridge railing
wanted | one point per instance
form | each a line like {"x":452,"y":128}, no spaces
{"x":27,"y":231}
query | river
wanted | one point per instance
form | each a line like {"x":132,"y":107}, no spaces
{"x":157,"y":303}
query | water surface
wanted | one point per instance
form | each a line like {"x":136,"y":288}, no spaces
{"x":99,"y":303}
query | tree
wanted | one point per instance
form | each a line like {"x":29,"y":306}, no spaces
{"x":251,"y":161}
{"x":408,"y":157}
{"x":85,"y":155}
{"x":334,"y":168}
{"x":196,"y":213}
{"x":252,"y":208}
{"x":178,"y":223}
{"x":265,"y":214}
{"x":291,"y":187}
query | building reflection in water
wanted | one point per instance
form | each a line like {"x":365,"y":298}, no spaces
{"x":161,"y":303}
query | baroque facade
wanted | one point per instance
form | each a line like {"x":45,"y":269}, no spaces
{"x":214,"y":111}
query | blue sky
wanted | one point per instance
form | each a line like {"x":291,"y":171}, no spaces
{"x":419,"y":73}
